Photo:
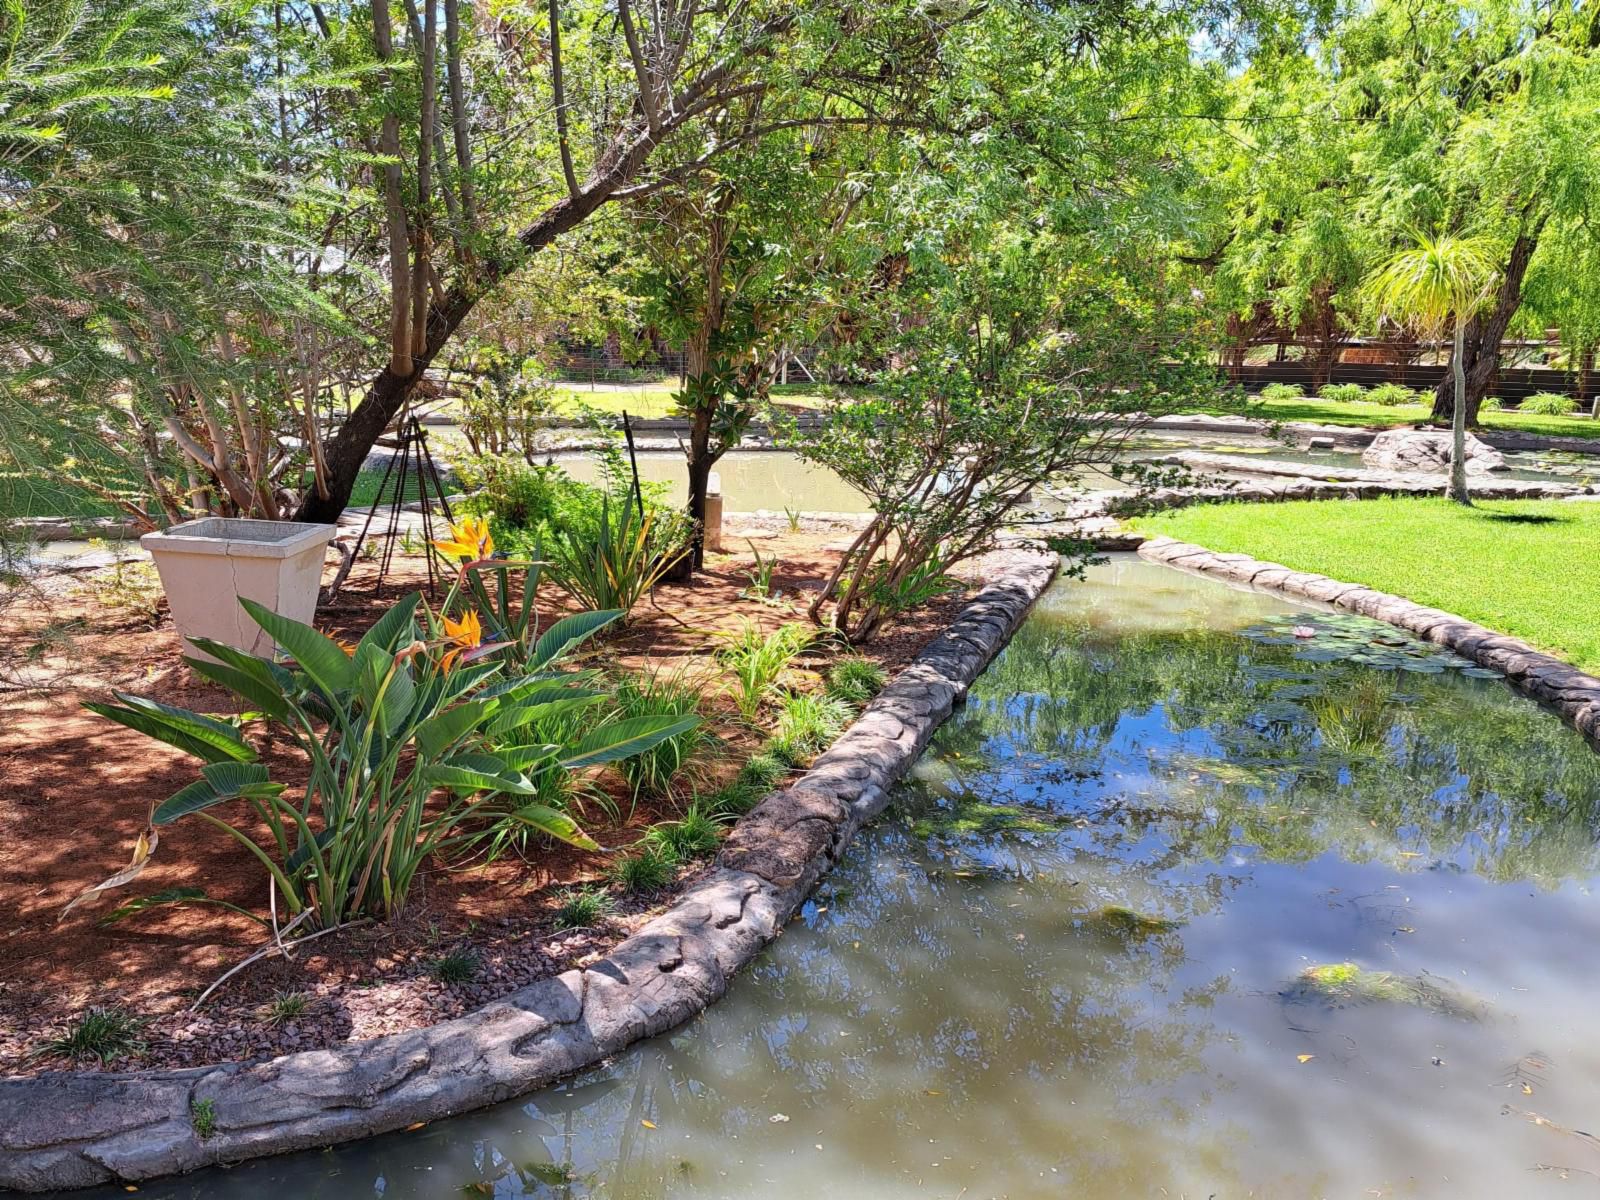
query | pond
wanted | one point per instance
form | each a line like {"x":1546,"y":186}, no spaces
{"x":1183,"y":902}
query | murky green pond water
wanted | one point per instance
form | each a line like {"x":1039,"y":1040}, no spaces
{"x":1072,"y":959}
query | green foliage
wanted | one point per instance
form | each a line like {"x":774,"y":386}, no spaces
{"x":613,"y":561}
{"x":1492,"y":404}
{"x":651,"y":867}
{"x":758,"y":661}
{"x":456,"y":966}
{"x":290,"y":1006}
{"x":383,"y":730}
{"x":1282,"y":391}
{"x":580,"y":908}
{"x":855,"y":679}
{"x":203,"y":1116}
{"x":1549,"y":404}
{"x":102,"y":1034}
{"x":1390,"y":395}
{"x":694,"y":835}
{"x":761,"y":578}
{"x":808,"y":723}
{"x":764,"y":771}
{"x":652,"y":771}
{"x":1342,"y":393}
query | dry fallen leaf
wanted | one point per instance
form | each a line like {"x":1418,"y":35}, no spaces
{"x":1305,"y":1058}
{"x":418,"y":1125}
{"x":648,"y":1124}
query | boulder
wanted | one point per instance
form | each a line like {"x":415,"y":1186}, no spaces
{"x":1426,"y":451}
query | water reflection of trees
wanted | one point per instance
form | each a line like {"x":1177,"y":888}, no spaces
{"x":1243,"y":744}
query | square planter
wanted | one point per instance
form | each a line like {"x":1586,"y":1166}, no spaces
{"x":206,"y":565}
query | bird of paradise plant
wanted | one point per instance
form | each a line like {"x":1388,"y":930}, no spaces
{"x":512,"y":609}
{"x":420,"y":709}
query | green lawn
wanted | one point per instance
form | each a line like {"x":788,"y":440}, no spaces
{"x":1527,"y":568}
{"x":1333,"y":412}
{"x":656,"y":400}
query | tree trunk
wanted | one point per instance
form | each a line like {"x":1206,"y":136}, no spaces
{"x":1458,"y":424}
{"x":1478,"y":351}
{"x":388,"y":392}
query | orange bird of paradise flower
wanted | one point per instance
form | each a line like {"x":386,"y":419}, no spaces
{"x":465,"y":635}
{"x":469,"y":540}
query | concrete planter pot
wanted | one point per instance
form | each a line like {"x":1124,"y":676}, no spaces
{"x":206,"y":565}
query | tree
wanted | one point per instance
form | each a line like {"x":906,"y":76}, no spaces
{"x":1437,"y":284}
{"x":619,"y":86}
{"x":744,"y":264}
{"x":152,"y":267}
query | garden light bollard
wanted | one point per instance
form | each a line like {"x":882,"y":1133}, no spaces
{"x":713,"y":533}
{"x":206,"y":565}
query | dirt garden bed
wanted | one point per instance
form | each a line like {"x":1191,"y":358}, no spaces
{"x":77,"y":789}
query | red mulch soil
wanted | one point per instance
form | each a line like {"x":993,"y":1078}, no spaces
{"x":77,"y":790}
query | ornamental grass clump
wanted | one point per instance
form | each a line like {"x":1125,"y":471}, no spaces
{"x":855,"y":680}
{"x":757,"y":661}
{"x":406,"y":738}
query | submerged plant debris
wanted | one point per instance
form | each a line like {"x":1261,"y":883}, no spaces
{"x":1345,"y":983}
{"x":1349,"y":637}
{"x":968,"y":816}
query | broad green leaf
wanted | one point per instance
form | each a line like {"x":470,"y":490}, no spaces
{"x":464,"y":780}
{"x":568,"y":632}
{"x":443,"y":730}
{"x":198,"y":795}
{"x":203,"y":737}
{"x":394,"y":627}
{"x":241,"y":779}
{"x":623,"y":739}
{"x":557,"y":824}
{"x":520,"y":714}
{"x":318,"y":655}
{"x":265,"y":670}
{"x":264,"y":696}
{"x":302,"y":853}
{"x":389,"y":694}
{"x":520,"y":758}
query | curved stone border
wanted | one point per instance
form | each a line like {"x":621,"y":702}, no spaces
{"x":1574,"y":694}
{"x":69,"y":1130}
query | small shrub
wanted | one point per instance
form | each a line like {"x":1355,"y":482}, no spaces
{"x":282,"y":1009}
{"x":100,"y":1033}
{"x":695,"y":835}
{"x":1492,"y":404}
{"x":1342,"y":393}
{"x":203,"y":1115}
{"x":761,"y":577}
{"x":1549,"y":404}
{"x":458,"y":966}
{"x":1391,"y":395}
{"x":737,"y":798}
{"x":855,"y":680}
{"x":1282,"y":391}
{"x":809,"y":723}
{"x":794,"y":516}
{"x":791,"y":753}
{"x":610,"y":562}
{"x":652,"y":772}
{"x":758,"y":661}
{"x":651,"y":867}
{"x":582,"y":907}
{"x":764,"y":771}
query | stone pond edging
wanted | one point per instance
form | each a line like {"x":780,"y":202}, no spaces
{"x":70,"y":1129}
{"x":1573,"y":694}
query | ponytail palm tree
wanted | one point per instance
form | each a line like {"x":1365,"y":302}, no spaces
{"x":1428,"y":286}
